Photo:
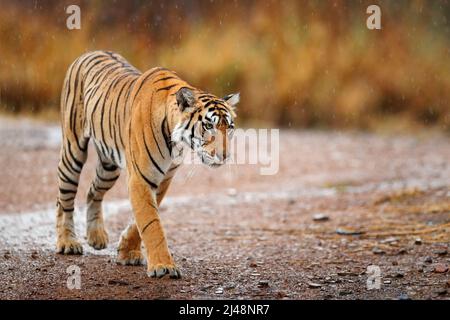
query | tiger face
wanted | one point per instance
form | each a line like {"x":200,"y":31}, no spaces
{"x":207,"y":124}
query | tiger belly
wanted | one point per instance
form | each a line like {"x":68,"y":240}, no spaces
{"x":110,"y":154}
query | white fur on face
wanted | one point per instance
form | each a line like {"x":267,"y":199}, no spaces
{"x":178,"y":131}
{"x":181,"y":135}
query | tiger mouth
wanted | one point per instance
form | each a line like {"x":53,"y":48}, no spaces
{"x":215,"y":165}
{"x":210,"y":161}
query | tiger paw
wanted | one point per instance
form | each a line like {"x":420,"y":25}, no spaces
{"x":69,"y":245}
{"x":161,"y":270}
{"x":97,"y":238}
{"x":130,"y":258}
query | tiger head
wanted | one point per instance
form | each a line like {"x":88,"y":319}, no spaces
{"x":207,"y":124}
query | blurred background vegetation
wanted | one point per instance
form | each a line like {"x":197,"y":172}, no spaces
{"x":296,"y":63}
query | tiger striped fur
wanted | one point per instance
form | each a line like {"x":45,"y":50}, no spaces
{"x":136,"y":121}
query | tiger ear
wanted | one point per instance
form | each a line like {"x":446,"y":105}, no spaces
{"x":185,"y":99}
{"x":233,"y":99}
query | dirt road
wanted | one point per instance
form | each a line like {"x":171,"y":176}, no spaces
{"x":340,"y":202}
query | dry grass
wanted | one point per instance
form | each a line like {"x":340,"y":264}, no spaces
{"x":295,"y":63}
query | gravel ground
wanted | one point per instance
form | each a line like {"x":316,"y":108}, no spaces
{"x":341,"y":202}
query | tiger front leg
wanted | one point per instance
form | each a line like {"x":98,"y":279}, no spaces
{"x":159,"y":260}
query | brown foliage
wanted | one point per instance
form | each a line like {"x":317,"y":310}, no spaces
{"x":296,"y":63}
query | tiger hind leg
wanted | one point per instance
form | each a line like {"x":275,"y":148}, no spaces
{"x":105,"y":178}
{"x":72,"y":159}
{"x":129,"y":249}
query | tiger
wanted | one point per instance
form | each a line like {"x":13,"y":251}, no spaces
{"x":135,"y":121}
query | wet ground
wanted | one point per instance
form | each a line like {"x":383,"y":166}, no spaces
{"x":340,"y":203}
